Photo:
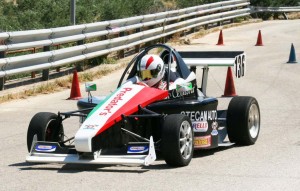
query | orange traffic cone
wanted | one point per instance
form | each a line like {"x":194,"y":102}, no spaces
{"x":220,"y":41}
{"x":75,"y":89}
{"x":259,"y":39}
{"x":229,"y":85}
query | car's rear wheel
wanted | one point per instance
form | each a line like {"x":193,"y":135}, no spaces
{"x":46,"y":126}
{"x":177,"y":140}
{"x":243,"y":120}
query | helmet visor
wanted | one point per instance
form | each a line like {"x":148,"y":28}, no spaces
{"x":148,"y":74}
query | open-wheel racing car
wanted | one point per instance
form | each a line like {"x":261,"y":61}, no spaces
{"x":135,"y":122}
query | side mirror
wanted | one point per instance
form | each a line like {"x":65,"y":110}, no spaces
{"x":89,"y":87}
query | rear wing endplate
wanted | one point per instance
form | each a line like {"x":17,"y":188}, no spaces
{"x":206,"y":59}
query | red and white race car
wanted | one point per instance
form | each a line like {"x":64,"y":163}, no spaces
{"x":135,"y":122}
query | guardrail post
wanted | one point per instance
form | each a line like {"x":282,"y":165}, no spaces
{"x":45,"y":72}
{"x":121,"y":53}
{"x":149,"y":43}
{"x":73,"y":12}
{"x":79,"y":65}
{"x":194,"y":29}
{"x":33,"y":73}
{"x":137,"y":47}
{"x":2,"y":79}
{"x":2,"y":83}
{"x":164,"y":38}
{"x":206,"y":27}
{"x":58,"y":68}
{"x":285,"y":16}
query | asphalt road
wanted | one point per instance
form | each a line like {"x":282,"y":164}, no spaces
{"x":273,"y":163}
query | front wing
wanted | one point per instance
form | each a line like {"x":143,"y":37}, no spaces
{"x":51,"y":152}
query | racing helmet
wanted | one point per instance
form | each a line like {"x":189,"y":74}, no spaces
{"x":151,"y":69}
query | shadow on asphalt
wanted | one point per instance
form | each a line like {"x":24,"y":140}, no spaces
{"x":209,"y":152}
{"x":76,"y":168}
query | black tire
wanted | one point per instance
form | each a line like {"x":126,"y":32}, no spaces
{"x":46,"y":126}
{"x":176,"y":127}
{"x":243,"y":120}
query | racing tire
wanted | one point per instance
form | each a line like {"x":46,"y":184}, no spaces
{"x":46,"y":126}
{"x":243,"y":120}
{"x":177,"y":145}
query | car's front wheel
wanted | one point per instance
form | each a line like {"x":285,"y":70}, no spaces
{"x":46,"y":126}
{"x":177,"y":140}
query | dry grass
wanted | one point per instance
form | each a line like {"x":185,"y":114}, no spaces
{"x":292,"y":16}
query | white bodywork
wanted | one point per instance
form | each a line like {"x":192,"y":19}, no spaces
{"x":98,"y":159}
{"x":99,"y":117}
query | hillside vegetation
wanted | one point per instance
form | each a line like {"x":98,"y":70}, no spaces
{"x":27,"y":14}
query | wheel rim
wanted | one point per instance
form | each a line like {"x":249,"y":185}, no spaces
{"x":253,"y":121}
{"x":186,"y":139}
{"x":49,"y":134}
{"x":49,"y":131}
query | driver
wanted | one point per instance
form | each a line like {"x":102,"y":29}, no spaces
{"x":151,"y":70}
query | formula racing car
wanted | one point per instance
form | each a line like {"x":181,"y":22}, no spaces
{"x":135,"y":122}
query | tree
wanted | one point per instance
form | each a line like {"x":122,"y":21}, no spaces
{"x":88,"y":11}
{"x":190,"y":3}
{"x":274,"y":3}
{"x":29,"y":14}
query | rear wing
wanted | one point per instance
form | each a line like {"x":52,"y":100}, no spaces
{"x":206,"y":59}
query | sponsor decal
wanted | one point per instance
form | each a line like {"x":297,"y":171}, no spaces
{"x":118,"y":97}
{"x":200,"y":126}
{"x":214,"y":127}
{"x":137,"y":149}
{"x":179,"y":91}
{"x":201,"y":115}
{"x":214,"y":132}
{"x":45,"y":148}
{"x":202,"y":142}
{"x":184,"y":87}
{"x":90,"y":127}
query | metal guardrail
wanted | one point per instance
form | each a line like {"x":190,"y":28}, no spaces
{"x":275,"y":9}
{"x":282,"y":10}
{"x":117,"y":35}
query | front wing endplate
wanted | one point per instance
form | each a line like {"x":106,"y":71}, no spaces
{"x":48,"y":157}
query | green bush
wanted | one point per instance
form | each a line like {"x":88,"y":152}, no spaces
{"x":29,"y":14}
{"x":274,"y":3}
